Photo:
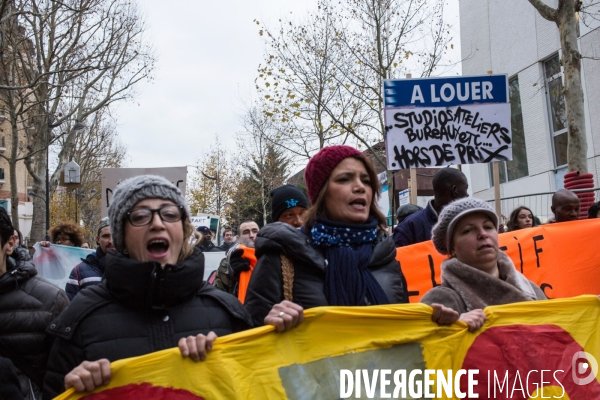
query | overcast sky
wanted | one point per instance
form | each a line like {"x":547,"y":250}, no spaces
{"x":208,"y":53}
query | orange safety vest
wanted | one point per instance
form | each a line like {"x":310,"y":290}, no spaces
{"x":245,"y":276}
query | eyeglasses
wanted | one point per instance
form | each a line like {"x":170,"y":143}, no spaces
{"x":143,"y":216}
{"x":62,"y":239}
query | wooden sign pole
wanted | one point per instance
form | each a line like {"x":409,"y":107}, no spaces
{"x":496,"y":173}
{"x":413,"y":186}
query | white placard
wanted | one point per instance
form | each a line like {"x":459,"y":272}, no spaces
{"x":437,"y":136}
{"x":111,"y":177}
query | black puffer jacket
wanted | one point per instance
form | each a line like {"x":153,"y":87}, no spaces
{"x":266,"y":284}
{"x":138,"y":309}
{"x":28,"y":304}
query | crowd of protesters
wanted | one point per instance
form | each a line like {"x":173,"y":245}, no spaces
{"x":143,"y":289}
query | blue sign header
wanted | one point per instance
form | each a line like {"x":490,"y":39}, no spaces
{"x":445,"y":92}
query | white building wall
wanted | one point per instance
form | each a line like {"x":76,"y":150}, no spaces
{"x":591,"y":69}
{"x":547,"y":39}
{"x":509,"y":36}
{"x":511,"y":51}
{"x":25,"y":211}
{"x":475,"y":37}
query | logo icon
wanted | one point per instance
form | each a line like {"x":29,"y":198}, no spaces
{"x":583,"y":364}
{"x":291,"y":203}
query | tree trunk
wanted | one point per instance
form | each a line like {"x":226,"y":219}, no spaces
{"x":37,"y":169}
{"x":573,"y":89}
{"x":12,"y":171}
{"x":565,"y":19}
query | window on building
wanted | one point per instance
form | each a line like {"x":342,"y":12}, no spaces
{"x":517,"y":167}
{"x":556,"y":109}
{"x":1,"y":174}
{"x":4,"y":204}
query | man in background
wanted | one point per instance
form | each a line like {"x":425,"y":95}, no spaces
{"x":288,"y":204}
{"x":91,"y":270}
{"x":227,"y":240}
{"x":565,"y":206}
{"x":449,"y":184}
{"x":206,"y":243}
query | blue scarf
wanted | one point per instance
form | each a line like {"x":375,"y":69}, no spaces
{"x":348,"y":250}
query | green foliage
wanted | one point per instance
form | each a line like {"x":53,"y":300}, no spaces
{"x":266,"y":171}
{"x":202,"y":193}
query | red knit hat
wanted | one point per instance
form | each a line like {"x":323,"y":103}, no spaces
{"x":321,"y":165}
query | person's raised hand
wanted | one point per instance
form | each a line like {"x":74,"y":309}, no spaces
{"x":285,"y":315}
{"x":196,"y":347}
{"x":88,"y":375}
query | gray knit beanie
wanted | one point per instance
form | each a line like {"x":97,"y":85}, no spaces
{"x":441,"y":235}
{"x":133,"y":190}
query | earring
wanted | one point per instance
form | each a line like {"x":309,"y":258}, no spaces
{"x":125,"y":252}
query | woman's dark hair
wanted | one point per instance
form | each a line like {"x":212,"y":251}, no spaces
{"x":318,"y":209}
{"x":6,"y":227}
{"x":20,"y":235}
{"x":513,"y":220}
{"x":69,"y":228}
{"x":593,"y":211}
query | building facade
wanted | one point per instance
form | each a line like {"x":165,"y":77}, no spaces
{"x":22,"y":176}
{"x":509,"y":36}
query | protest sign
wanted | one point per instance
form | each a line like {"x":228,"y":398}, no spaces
{"x":561,"y":259}
{"x":111,"y":177}
{"x":537,"y":349}
{"x":447,"y":121}
{"x":209,"y":220}
{"x":54,"y":263}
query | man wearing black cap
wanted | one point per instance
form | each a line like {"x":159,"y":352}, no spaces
{"x":206,"y":244}
{"x":288,"y":204}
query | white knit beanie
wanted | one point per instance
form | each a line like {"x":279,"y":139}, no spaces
{"x":441,"y":235}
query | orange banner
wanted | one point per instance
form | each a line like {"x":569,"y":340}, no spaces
{"x":562,"y":259}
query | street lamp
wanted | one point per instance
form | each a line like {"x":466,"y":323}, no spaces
{"x":78,"y":126}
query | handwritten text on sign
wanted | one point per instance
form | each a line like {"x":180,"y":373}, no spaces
{"x":435,"y":122}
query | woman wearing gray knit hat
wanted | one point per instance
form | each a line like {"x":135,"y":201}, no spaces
{"x":477,"y":274}
{"x":153,"y":296}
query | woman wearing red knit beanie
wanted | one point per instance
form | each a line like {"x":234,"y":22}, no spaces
{"x":341,"y":256}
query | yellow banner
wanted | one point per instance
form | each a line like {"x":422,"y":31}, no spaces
{"x":341,"y":352}
{"x":562,"y":259}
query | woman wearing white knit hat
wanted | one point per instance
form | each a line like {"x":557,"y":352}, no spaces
{"x":477,"y":274}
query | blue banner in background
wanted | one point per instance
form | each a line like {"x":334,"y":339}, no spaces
{"x":445,"y":92}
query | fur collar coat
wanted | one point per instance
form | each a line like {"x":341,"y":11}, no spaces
{"x":465,"y":288}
